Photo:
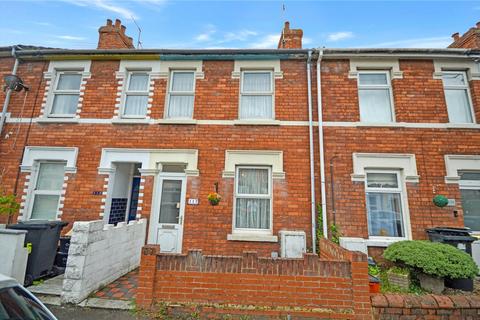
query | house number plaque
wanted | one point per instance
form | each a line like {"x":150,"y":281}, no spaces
{"x":193,"y":202}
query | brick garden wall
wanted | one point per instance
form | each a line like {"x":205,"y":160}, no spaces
{"x":434,"y":307}
{"x":334,"y":285}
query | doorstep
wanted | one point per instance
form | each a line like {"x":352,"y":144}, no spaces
{"x":49,"y":290}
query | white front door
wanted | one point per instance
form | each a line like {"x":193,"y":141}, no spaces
{"x":167,"y":219}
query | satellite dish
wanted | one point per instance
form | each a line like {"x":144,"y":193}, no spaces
{"x":14,"y":83}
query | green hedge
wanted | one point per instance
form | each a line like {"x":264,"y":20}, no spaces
{"x":436,"y":259}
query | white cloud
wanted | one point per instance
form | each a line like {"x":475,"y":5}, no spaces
{"x":106,"y":5}
{"x":306,"y":40}
{"x":341,"y":35}
{"x":68,"y":37}
{"x":241,"y":35}
{"x":433,"y":42}
{"x":210,"y":29}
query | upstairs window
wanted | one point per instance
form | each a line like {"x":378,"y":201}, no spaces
{"x":256,"y":95}
{"x":136,"y":95}
{"x":66,"y":94}
{"x":48,"y":190}
{"x":457,"y":96}
{"x":253,"y":199}
{"x":375,"y":96}
{"x":181,"y":95}
{"x":384,"y":205}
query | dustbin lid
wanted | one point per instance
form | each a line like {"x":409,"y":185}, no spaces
{"x":36,"y":224}
{"x":457,"y":230}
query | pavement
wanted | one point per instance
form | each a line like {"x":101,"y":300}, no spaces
{"x":83,"y":313}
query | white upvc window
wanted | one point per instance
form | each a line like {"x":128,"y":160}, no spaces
{"x":257,"y":95}
{"x":181,"y":95}
{"x":457,"y":97}
{"x":470,"y":193}
{"x":385,"y":205}
{"x":253,"y":199}
{"x":48,"y":185}
{"x":66,"y":93}
{"x":375,"y":96}
{"x":136,"y":95}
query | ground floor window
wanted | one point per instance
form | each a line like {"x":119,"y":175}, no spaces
{"x":253,"y":198}
{"x":470,"y":192}
{"x":48,"y":190}
{"x":384,"y":204}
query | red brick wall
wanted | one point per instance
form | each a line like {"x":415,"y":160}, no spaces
{"x":318,"y":287}
{"x":405,"y":307}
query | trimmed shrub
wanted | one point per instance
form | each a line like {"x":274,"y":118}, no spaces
{"x":436,"y":259}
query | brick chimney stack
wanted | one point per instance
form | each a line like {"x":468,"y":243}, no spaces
{"x":112,"y":36}
{"x":469,"y":40}
{"x":290,"y":38}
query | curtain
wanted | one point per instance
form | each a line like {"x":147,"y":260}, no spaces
{"x":68,"y":81}
{"x":138,"y":82}
{"x":50,"y":176}
{"x":256,"y":107}
{"x":135,"y":105}
{"x":384,"y":214}
{"x":458,"y":106}
{"x":45,"y":207}
{"x":382,"y":180}
{"x":182,"y":82}
{"x":180,"y":106}
{"x":257,"y":82}
{"x":65,"y":104}
{"x":375,"y":105}
{"x":252,"y":212}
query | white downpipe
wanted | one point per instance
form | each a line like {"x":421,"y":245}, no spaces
{"x":312,"y":163}
{"x":7,"y":95}
{"x":321,"y":147}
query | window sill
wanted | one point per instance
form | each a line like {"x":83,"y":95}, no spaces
{"x":252,"y":237}
{"x":380,"y":124}
{"x":130,"y":121}
{"x":256,"y":122}
{"x":378,"y":242}
{"x":462,"y":126}
{"x":176,"y":121}
{"x":57,"y":120}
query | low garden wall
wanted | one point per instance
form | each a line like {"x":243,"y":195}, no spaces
{"x":99,"y":254}
{"x":407,"y":307}
{"x":334,"y":285}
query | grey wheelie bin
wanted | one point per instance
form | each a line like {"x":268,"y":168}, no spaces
{"x":42,"y":242}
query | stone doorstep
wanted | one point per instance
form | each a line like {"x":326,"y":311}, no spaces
{"x":106,"y":304}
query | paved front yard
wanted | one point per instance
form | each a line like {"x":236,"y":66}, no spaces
{"x":77,"y":313}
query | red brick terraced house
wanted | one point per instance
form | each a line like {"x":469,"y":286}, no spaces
{"x":369,"y":135}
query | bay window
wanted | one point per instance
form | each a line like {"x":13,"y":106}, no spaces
{"x":66,"y":94}
{"x":256,"y":95}
{"x":47,"y":191}
{"x":384,"y":204}
{"x":181,"y":95}
{"x":253,"y":199}
{"x":136,"y":95}
{"x":457,"y":97}
{"x":375,"y":96}
{"x":470,"y":193}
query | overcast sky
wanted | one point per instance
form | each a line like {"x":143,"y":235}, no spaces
{"x":238,"y":24}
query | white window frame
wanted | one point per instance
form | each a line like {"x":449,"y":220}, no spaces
{"x":465,"y":87}
{"x":259,"y":93}
{"x":56,"y":92}
{"x":377,"y":86}
{"x":268,"y":231}
{"x":403,"y":201}
{"x":127,"y":93}
{"x":34,"y":191}
{"x":469,"y":185}
{"x":180,"y":93}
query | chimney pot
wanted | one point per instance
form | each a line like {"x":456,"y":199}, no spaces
{"x":478,"y":25}
{"x":123,"y":28}
{"x":456,"y":36}
{"x":118,"y":23}
{"x":287,"y":25}
{"x":109,"y":22}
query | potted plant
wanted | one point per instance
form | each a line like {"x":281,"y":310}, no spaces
{"x":432,"y":262}
{"x":399,"y":277}
{"x":214,"y":198}
{"x":8,"y":205}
